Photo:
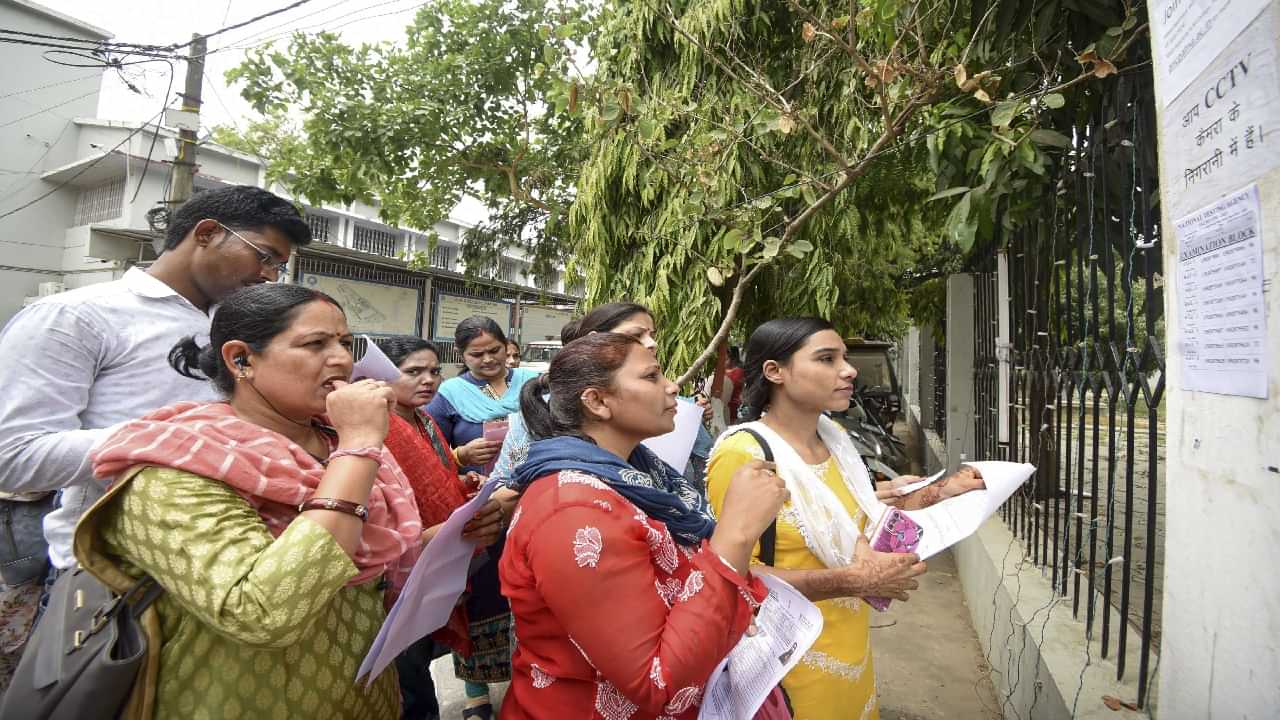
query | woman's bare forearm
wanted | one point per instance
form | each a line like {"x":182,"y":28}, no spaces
{"x":815,"y":585}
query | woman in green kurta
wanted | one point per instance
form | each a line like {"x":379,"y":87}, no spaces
{"x":274,"y":522}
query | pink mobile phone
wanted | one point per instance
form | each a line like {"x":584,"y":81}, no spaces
{"x":495,"y":430}
{"x":897,"y":533}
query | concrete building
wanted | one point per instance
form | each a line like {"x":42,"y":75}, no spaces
{"x":38,"y":103}
{"x":85,"y":200}
{"x":118,"y":210}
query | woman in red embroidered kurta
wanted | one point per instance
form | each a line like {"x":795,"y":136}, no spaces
{"x":626,"y":593}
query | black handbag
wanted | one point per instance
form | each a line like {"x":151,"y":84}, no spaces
{"x":84,"y":657}
{"x":95,"y":652}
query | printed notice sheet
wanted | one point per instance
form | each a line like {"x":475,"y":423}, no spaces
{"x":1189,"y":34}
{"x":1220,"y":133}
{"x":1220,"y":301}
{"x":787,"y":626}
{"x":432,"y":590}
{"x":954,"y":519}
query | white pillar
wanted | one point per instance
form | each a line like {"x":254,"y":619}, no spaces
{"x":1220,"y":648}
{"x":960,"y":401}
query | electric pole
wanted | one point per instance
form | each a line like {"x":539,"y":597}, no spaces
{"x":184,"y":169}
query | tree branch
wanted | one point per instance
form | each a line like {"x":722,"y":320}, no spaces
{"x":782,"y":105}
{"x":722,"y":332}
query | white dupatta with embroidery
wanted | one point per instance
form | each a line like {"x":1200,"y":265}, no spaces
{"x":829,"y":532}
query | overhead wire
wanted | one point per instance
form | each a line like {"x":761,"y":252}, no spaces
{"x":82,"y":78}
{"x":50,"y":108}
{"x":154,"y":137}
{"x":48,"y":147}
{"x":274,"y":28}
{"x":229,"y":28}
{"x":84,"y":169}
{"x":324,"y":25}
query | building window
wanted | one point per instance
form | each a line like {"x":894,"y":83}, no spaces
{"x":549,"y":282}
{"x":444,"y":256}
{"x":321,"y":227}
{"x":375,"y":241}
{"x":101,"y":202}
{"x":512,"y":271}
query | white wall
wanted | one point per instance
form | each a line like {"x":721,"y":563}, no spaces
{"x":1221,"y":628}
{"x":33,"y":238}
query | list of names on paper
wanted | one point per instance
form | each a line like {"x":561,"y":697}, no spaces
{"x":1220,"y":300}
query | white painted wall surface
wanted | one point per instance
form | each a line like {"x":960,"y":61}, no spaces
{"x":36,"y":136}
{"x":1221,"y":630}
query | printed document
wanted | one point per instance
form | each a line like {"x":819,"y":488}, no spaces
{"x":787,"y":625}
{"x":432,"y":590}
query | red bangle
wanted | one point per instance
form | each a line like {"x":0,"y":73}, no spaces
{"x":336,"y":505}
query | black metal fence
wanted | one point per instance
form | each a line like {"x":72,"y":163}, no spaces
{"x":429,"y":286}
{"x":1086,"y":378}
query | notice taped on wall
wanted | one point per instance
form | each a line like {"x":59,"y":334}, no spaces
{"x":1220,"y":300}
{"x":1221,"y":132}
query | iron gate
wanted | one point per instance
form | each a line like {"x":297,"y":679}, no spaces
{"x":1087,"y":376}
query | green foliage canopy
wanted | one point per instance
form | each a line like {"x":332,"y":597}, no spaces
{"x":456,"y":109}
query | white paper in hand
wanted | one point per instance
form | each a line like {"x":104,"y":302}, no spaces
{"x":788,"y":625}
{"x":920,"y":484}
{"x":375,"y":364}
{"x":955,"y":519}
{"x":432,"y":590}
{"x":676,"y":446}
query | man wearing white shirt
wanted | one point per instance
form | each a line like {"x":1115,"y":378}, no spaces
{"x":75,"y":365}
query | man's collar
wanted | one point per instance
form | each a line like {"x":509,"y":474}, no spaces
{"x":141,"y":282}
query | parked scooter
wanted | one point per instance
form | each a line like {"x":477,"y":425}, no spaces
{"x":882,"y":453}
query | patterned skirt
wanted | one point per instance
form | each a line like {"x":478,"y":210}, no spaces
{"x":489,"y":617}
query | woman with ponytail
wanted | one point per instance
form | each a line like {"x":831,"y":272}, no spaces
{"x":626,"y":592}
{"x":627,"y":318}
{"x":274,"y":522}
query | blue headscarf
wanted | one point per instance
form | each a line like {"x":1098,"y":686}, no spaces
{"x":652,"y":485}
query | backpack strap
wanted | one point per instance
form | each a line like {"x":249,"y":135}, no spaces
{"x":769,"y":538}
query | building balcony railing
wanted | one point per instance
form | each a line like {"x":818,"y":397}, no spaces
{"x":374,"y":241}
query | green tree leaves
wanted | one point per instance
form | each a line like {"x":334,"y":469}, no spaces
{"x":460,"y":107}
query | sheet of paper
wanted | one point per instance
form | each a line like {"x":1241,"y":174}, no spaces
{"x":788,"y":625}
{"x":374,"y":364}
{"x":1220,"y":134}
{"x":920,"y":484}
{"x":676,"y":446}
{"x":955,"y":519}
{"x":431,"y":592}
{"x":1189,"y":35}
{"x":1220,"y":297}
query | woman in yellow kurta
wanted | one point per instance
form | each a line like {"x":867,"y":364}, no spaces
{"x":795,"y":372}
{"x":837,"y":670}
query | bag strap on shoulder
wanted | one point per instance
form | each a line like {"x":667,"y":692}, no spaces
{"x":769,"y":538}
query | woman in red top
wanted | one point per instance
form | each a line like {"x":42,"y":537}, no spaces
{"x":432,"y":468}
{"x":626,"y":593}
